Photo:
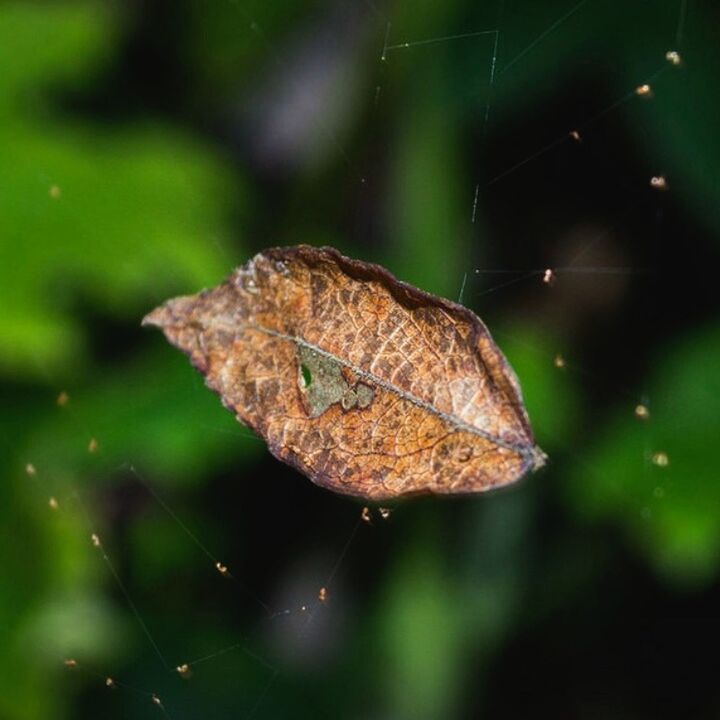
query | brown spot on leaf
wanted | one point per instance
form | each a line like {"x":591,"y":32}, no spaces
{"x":464,"y":453}
{"x":368,"y":385}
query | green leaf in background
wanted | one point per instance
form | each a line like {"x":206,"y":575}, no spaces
{"x":113,"y":216}
{"x":550,"y":394}
{"x":100,"y":221}
{"x":669,"y":512}
{"x":155,"y":413}
{"x":420,"y":637}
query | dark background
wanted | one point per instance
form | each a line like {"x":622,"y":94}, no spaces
{"x":147,"y":148}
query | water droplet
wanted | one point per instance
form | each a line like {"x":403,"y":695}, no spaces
{"x":464,"y":453}
{"x":642,"y":412}
{"x":660,"y":459}
{"x":184,"y":671}
{"x":658,"y":182}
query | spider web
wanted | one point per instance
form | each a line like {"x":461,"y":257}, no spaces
{"x":304,"y":619}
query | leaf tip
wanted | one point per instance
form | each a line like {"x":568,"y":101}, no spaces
{"x":539,"y":458}
{"x":156,"y":317}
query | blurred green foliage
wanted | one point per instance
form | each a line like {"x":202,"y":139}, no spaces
{"x":105,"y":210}
{"x":139,"y":212}
{"x":138,"y":207}
{"x":670,"y":512}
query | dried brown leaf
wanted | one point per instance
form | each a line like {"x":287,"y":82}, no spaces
{"x":366,"y":384}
